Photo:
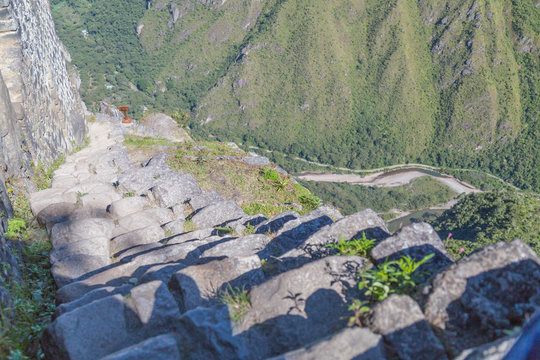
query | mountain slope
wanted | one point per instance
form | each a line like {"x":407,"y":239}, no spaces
{"x":360,"y":83}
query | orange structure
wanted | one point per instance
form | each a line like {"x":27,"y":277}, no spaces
{"x":126,"y":119}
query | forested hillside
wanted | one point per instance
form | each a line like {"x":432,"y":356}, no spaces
{"x":361,"y":83}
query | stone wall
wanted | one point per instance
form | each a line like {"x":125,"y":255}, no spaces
{"x":45,"y":118}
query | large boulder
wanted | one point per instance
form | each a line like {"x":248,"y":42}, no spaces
{"x":200,"y":285}
{"x":353,"y":343}
{"x":145,"y":235}
{"x":202,"y":200}
{"x":217,"y":214}
{"x":302,"y":305}
{"x":162,"y":347}
{"x":400,"y":320}
{"x":417,"y":241}
{"x":173,"y":188}
{"x":127,"y":206}
{"x":77,"y":230}
{"x":473,"y":301}
{"x":243,"y":246}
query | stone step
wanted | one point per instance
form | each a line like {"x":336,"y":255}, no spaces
{"x":4,"y":14}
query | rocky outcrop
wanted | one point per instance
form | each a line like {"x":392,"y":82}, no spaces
{"x":41,"y":115}
{"x":133,"y":284}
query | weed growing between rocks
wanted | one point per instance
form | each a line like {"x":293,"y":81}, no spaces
{"x":359,"y":247}
{"x":237,"y":300}
{"x":391,"y":277}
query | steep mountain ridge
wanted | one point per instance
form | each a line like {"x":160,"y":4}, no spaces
{"x":358,"y":83}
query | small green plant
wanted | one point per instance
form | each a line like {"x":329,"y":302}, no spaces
{"x":189,"y":226}
{"x":128,"y":194}
{"x":398,"y":276}
{"x":43,"y":175}
{"x":249,"y":230}
{"x":359,"y":308}
{"x":16,"y":228}
{"x":358,"y":247}
{"x":226,"y":230}
{"x":310,"y":201}
{"x":237,"y":300}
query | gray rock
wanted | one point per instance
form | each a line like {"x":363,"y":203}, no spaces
{"x":163,"y":347}
{"x":496,"y":350}
{"x":191,"y":236}
{"x":88,"y":332}
{"x":416,"y":240}
{"x":199,"y":201}
{"x":72,"y":231}
{"x":207,"y":333}
{"x":293,"y":234}
{"x":155,"y":307}
{"x":311,"y":244}
{"x":276,"y":222}
{"x":400,"y":320}
{"x":98,"y":246}
{"x":471,"y":302}
{"x":174,"y":227}
{"x":243,"y":246}
{"x":200,"y":285}
{"x":165,"y":127}
{"x":330,"y":211}
{"x":99,"y":200}
{"x":302,"y":305}
{"x":145,"y":218}
{"x":72,"y":267}
{"x":240,"y":225}
{"x":528,"y":342}
{"x":140,"y":180}
{"x":61,"y":211}
{"x":174,"y":188}
{"x":127,"y":206}
{"x":256,"y":160}
{"x":90,"y":297}
{"x":147,"y":235}
{"x":217,"y":214}
{"x":353,"y":343}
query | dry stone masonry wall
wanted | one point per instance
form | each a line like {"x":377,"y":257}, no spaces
{"x":133,"y":284}
{"x":41,"y":112}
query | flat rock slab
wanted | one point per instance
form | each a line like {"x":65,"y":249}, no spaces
{"x":217,"y":214}
{"x":276,"y":222}
{"x":201,"y":285}
{"x":88,"y":332}
{"x":163,"y":347}
{"x":98,"y":246}
{"x":302,"y":305}
{"x":94,"y":295}
{"x":174,"y":188}
{"x":400,"y":320}
{"x":243,"y":246}
{"x":81,"y":229}
{"x":72,"y":267}
{"x":61,"y":211}
{"x":416,"y":240}
{"x":147,"y":235}
{"x":44,"y":198}
{"x":174,"y":227}
{"x":471,"y":302}
{"x":199,"y":201}
{"x":128,"y":205}
{"x":99,"y":200}
{"x":354,"y":343}
{"x":145,"y":218}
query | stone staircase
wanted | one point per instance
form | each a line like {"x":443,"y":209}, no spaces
{"x":132,"y":284}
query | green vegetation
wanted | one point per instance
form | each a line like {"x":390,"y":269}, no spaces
{"x":225,"y":230}
{"x":398,"y":276}
{"x":391,"y":277}
{"x":358,"y":247}
{"x":344,"y":83}
{"x":421,"y":193}
{"x":481,"y":219}
{"x":43,"y":175}
{"x":238,"y":302}
{"x":34,"y":294}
